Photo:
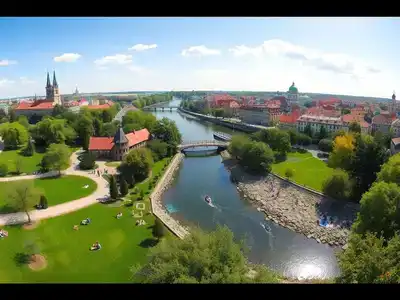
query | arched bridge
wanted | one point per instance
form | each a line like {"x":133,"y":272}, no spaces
{"x":155,"y":108}
{"x":211,"y":143}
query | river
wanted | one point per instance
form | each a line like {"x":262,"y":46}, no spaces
{"x":281,"y":249}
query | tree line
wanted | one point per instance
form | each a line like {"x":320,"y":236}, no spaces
{"x":142,"y":101}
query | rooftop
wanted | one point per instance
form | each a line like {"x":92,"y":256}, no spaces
{"x":107,"y":143}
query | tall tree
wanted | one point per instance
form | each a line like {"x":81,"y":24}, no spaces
{"x":258,"y":157}
{"x":390,"y":171}
{"x":22,"y":197}
{"x":56,"y":158}
{"x":137,"y":164}
{"x":338,"y":185}
{"x":200,"y":258}
{"x":238,"y":144}
{"x":12,"y":116}
{"x":29,"y":149}
{"x":355,"y":127}
{"x":123,"y":187}
{"x":167,"y":131}
{"x":342,"y":154}
{"x":113,"y":188}
{"x":308,"y":130}
{"x":14,"y":135}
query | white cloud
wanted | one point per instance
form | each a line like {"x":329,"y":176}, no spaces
{"x":26,"y":80}
{"x":6,"y":62}
{"x":117,"y":59}
{"x":67,"y":57}
{"x":199,"y":51}
{"x":4,"y":82}
{"x":142,"y":47}
{"x":335,"y":62}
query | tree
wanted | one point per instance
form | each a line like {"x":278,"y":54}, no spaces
{"x":109,"y":129}
{"x":293,"y":134}
{"x":29,"y":150}
{"x":159,"y":149}
{"x":390,"y":171}
{"x":369,"y":259}
{"x":355,"y":127}
{"x":366,"y":163}
{"x":167,"y":131}
{"x":87,"y":161}
{"x":3,"y":170}
{"x":278,"y":140}
{"x":323,"y":133}
{"x":303,"y":139}
{"x":141,"y":194}
{"x":308,"y":130}
{"x":23,"y":120}
{"x":346,"y":111}
{"x":107,"y":116}
{"x":289,"y":173}
{"x":43,"y":202}
{"x":338,"y":185}
{"x":158,"y":229}
{"x":18,"y":165}
{"x":137,"y":164}
{"x":14,"y":135}
{"x":257,"y":157}
{"x":123,"y":187}
{"x":113,"y":187}
{"x":379,"y":211}
{"x":52,"y":131}
{"x":84,"y":129}
{"x":56,"y":157}
{"x":238,"y":144}
{"x":58,"y":110}
{"x":343,"y":150}
{"x":22,"y":196}
{"x":219,"y":112}
{"x":325,"y":145}
{"x":200,"y":258}
{"x":12,"y":116}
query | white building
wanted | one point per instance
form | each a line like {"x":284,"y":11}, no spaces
{"x":331,"y":124}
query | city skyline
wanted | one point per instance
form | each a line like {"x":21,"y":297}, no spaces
{"x":349,"y":56}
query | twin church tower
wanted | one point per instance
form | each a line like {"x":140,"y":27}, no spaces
{"x":52,"y":90}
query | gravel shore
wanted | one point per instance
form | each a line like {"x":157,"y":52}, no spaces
{"x":293,"y":207}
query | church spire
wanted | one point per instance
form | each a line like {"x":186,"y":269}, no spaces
{"x":55,"y":84}
{"x":48,"y":84}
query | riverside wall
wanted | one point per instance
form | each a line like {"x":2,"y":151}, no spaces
{"x":156,"y":198}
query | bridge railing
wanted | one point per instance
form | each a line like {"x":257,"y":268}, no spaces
{"x":203,"y":142}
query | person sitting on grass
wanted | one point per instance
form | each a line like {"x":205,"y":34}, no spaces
{"x":95,"y":246}
{"x":119,"y":215}
{"x":3,"y":233}
{"x":86,"y":221}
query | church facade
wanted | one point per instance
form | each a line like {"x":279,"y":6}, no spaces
{"x":41,"y":107}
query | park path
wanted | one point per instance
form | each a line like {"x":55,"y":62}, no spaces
{"x":99,"y":195}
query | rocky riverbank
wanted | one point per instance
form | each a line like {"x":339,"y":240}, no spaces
{"x":293,"y":207}
{"x":155,"y":197}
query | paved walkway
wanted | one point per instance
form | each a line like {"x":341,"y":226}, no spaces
{"x":100,"y":194}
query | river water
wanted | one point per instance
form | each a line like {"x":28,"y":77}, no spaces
{"x":281,"y":249}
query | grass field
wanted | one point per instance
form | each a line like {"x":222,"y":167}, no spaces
{"x":308,"y":170}
{"x":113,"y":163}
{"x":29,"y":164}
{"x":67,"y":251}
{"x":57,"y":190}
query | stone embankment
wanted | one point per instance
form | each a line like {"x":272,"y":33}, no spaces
{"x":156,"y":202}
{"x":295,"y":208}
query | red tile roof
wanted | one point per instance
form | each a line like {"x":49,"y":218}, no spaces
{"x":38,"y":104}
{"x":106,"y":143}
{"x":355,"y":118}
{"x":137,"y":137}
{"x":291,"y":118}
{"x":382,"y":119}
{"x":101,"y":106}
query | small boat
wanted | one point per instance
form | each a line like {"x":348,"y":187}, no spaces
{"x":208,"y":199}
{"x":266,"y":227}
{"x":222,"y":136}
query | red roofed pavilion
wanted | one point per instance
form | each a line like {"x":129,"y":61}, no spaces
{"x":119,"y":145}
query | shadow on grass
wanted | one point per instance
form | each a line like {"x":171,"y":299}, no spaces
{"x":21,"y":259}
{"x":148,"y":243}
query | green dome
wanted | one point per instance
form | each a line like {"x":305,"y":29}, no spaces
{"x":293,"y":89}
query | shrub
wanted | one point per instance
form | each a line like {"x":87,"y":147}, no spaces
{"x":87,"y":161}
{"x":289,"y":173}
{"x":3,"y":170}
{"x":43,"y":202}
{"x":141,"y":194}
{"x":123,"y":187}
{"x":325,"y":145}
{"x":338,"y":186}
{"x":128,"y":202}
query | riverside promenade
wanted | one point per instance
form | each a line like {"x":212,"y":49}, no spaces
{"x":156,"y":195}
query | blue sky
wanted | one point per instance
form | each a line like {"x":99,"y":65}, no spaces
{"x":355,"y":56}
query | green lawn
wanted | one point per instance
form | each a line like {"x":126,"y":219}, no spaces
{"x":113,"y":163}
{"x":29,"y":164}
{"x":67,"y":251}
{"x":308,"y":170}
{"x":57,"y":190}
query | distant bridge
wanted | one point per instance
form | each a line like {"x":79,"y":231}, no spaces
{"x":211,"y":143}
{"x":162,"y":108}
